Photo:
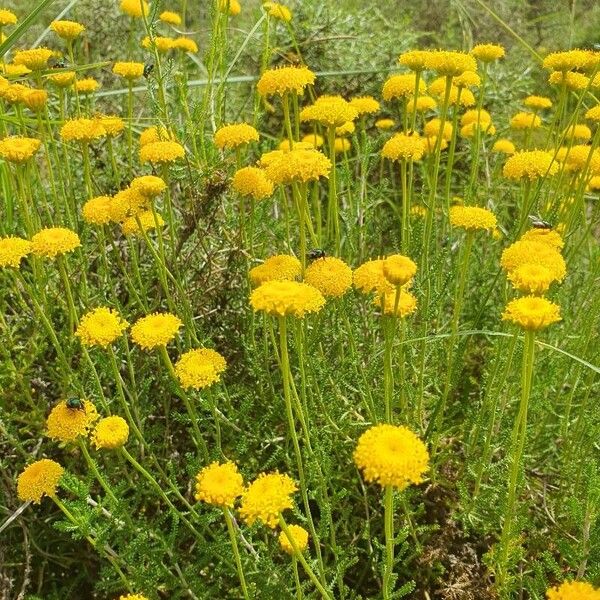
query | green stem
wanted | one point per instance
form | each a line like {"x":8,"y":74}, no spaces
{"x":236,"y":552}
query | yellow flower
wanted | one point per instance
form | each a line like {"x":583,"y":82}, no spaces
{"x":7,"y":18}
{"x":155,"y":134}
{"x":299,"y":537}
{"x":278,"y":267}
{"x":404,"y":147}
{"x":594,"y":183}
{"x":423,"y":104}
{"x":468,"y":131}
{"x":160,"y":42}
{"x":13,"y":70}
{"x":155,"y":330}
{"x":566,"y":61}
{"x":285,"y":79}
{"x":415,"y":60}
{"x":266,"y":497}
{"x":132,"y":597}
{"x":87,"y":86}
{"x":149,"y":185}
{"x":593,"y":114}
{"x":391,"y":456}
{"x":577,"y":157}
{"x":537,"y":102}
{"x":346,"y":128}
{"x":100,"y":327}
{"x":472,"y":218}
{"x":82,"y":130}
{"x":13,"y":250}
{"x":63,"y":80}
{"x":298,"y":164}
{"x":18,"y":149}
{"x":278,"y":11}
{"x":127,"y":203}
{"x":433,"y":127}
{"x":66,"y":423}
{"x":314,"y":139}
{"x":35,"y":100}
{"x":525,"y":120}
{"x":135,"y":8}
{"x":219,"y":484}
{"x":578,"y":132}
{"x":488,"y":52}
{"x":330,"y":111}
{"x":112,"y":124}
{"x":39,"y":479}
{"x":430,"y":143}
{"x":570,"y":79}
{"x":52,"y":241}
{"x":530,"y":165}
{"x":161,"y":152}
{"x":252,"y":181}
{"x":110,"y":433}
{"x":399,"y":269}
{"x":504,"y":146}
{"x":286,"y":298}
{"x":534,"y":252}
{"x":232,"y":7}
{"x":185,"y":45}
{"x":199,"y":368}
{"x":143,"y":221}
{"x":402,"y":86}
{"x":67,"y":30}
{"x":467,"y":79}
{"x":233,"y":136}
{"x":365,"y":105}
{"x":531,"y":279}
{"x":14,"y":93}
{"x":128,"y":70}
{"x":450,"y":63}
{"x":438,"y":88}
{"x":341,"y":145}
{"x":384,"y":124}
{"x":369,"y":277}
{"x":531,"y":312}
{"x":573,"y":590}
{"x":474,"y":116}
{"x":170,"y":17}
{"x":330,"y":275}
{"x":35,"y":59}
{"x":402,"y":305}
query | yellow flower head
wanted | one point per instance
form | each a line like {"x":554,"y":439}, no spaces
{"x":39,"y":479}
{"x":185,"y":45}
{"x":252,"y":181}
{"x":14,"y":93}
{"x":472,"y":218}
{"x":155,"y":134}
{"x":162,"y":43}
{"x":531,"y":312}
{"x":87,"y":86}
{"x":286,"y":298}
{"x":467,"y":79}
{"x":170,"y":17}
{"x":285,"y":80}
{"x":155,"y":330}
{"x":402,"y":86}
{"x":399,"y":269}
{"x":468,"y":131}
{"x":438,"y":88}
{"x":161,"y":152}
{"x":267,"y":496}
{"x":18,"y":149}
{"x":219,"y":484}
{"x":415,"y":60}
{"x":534,"y":252}
{"x":577,"y":157}
{"x":314,"y":139}
{"x":7,"y":18}
{"x":546,"y":236}
{"x":400,"y":305}
{"x":35,"y":59}
{"x":82,"y":130}
{"x":475,"y":116}
{"x":423,"y":104}
{"x":149,"y":185}
{"x":128,"y":70}
{"x":341,"y":145}
{"x":233,"y":136}
{"x":391,"y":455}
{"x":199,"y":368}
{"x":135,"y":8}
{"x":450,"y":63}
{"x":67,"y":30}
{"x":593,"y":114}
{"x":566,"y":61}
{"x":100,"y":327}
{"x":369,"y":277}
{"x":570,"y":79}
{"x":330,"y":275}
{"x":127,"y":203}
{"x":532,"y":279}
{"x":110,"y":433}
{"x":66,"y":424}
{"x":278,"y":11}
{"x":530,"y":165}
{"x":504,"y":146}
{"x":330,"y":111}
{"x":143,"y":221}
{"x":346,"y":129}
{"x":63,"y":80}
{"x":35,"y":100}
{"x":132,"y":597}
{"x":525,"y":120}
{"x":365,"y":105}
{"x":404,"y":147}
{"x":52,"y":241}
{"x":13,"y":250}
{"x":384,"y":124}
{"x":537,"y":102}
{"x":578,"y":132}
{"x":276,"y":268}
{"x":573,"y":590}
{"x":488,"y":52}
{"x":433,"y":127}
{"x":299,"y":164}
{"x":232,"y":7}
{"x":430,"y":143}
{"x":299,"y":537}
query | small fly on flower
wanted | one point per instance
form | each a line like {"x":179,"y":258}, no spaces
{"x":539,"y":223}
{"x":316,"y":253}
{"x":75,"y":403}
{"x":148,"y":70}
{"x":59,"y":63}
